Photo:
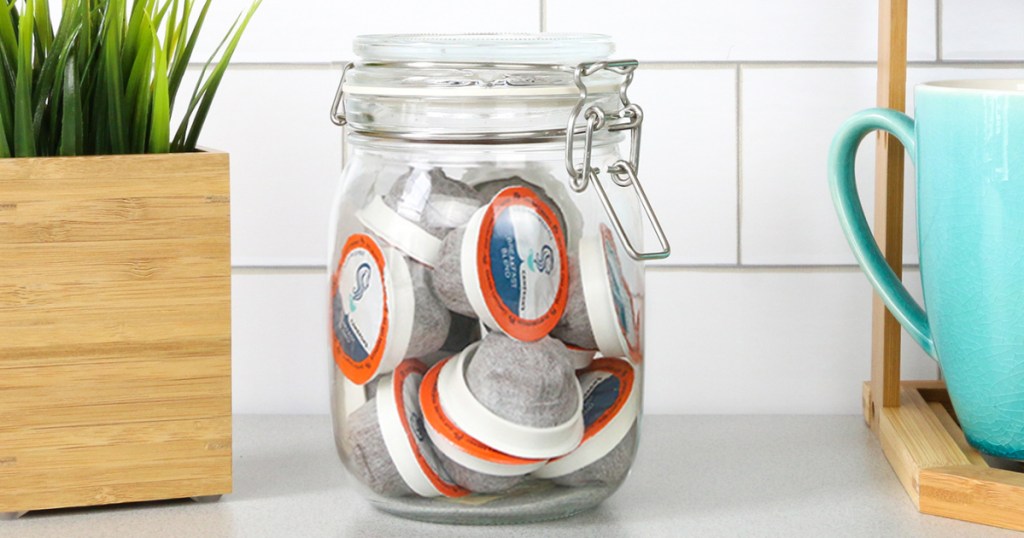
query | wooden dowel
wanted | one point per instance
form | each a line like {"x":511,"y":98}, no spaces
{"x":892,"y":93}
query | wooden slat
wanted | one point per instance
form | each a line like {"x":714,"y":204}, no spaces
{"x":913,"y":439}
{"x":954,"y":431}
{"x":974,"y":493}
{"x":115,"y":330}
{"x":892,"y":87}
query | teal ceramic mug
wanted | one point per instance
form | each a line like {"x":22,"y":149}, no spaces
{"x":967,"y":142}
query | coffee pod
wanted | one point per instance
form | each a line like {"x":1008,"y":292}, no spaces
{"x":460,"y":447}
{"x":401,"y":426}
{"x":383,"y":310}
{"x":507,"y":266}
{"x":605,"y":313}
{"x":516,"y":397}
{"x":390,"y":452}
{"x":418,"y":211}
{"x":610,"y":410}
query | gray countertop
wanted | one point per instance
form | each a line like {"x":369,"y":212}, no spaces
{"x":694,"y":476}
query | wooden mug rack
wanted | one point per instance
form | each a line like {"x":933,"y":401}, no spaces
{"x":914,"y":420}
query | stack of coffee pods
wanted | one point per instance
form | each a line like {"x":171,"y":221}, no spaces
{"x":437,"y":410}
{"x":383,"y":306}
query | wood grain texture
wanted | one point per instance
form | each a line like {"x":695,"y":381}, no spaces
{"x":913,"y":439}
{"x":954,"y":431}
{"x":888,"y":228}
{"x":940,"y":471}
{"x":974,"y":493}
{"x":115,"y":329}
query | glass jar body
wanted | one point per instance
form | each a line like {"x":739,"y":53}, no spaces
{"x":383,"y":454}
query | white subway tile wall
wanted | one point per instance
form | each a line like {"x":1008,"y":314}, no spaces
{"x":759,"y":310}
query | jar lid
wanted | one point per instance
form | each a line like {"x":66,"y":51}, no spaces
{"x":611,"y":405}
{"x":373,"y":306}
{"x":474,"y":418}
{"x":545,"y":48}
{"x":458,"y":445}
{"x":474,"y":87}
{"x":514,"y":265}
{"x":401,"y":426}
{"x":610,"y":306}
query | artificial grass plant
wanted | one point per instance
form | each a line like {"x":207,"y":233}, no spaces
{"x":107,"y":79}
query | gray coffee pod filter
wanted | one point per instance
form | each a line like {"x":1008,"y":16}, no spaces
{"x":432,"y":320}
{"x":475,"y":481}
{"x":528,"y":383}
{"x":447,"y":277}
{"x":369,"y":460}
{"x":608,"y":470}
{"x":433,"y":200}
{"x":574,"y":328}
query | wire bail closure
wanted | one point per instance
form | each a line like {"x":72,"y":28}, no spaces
{"x":338,"y":107}
{"x":623,"y":173}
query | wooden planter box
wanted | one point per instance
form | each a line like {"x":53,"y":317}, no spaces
{"x":115,"y":330}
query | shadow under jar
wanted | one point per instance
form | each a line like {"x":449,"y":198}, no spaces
{"x":486,"y":294}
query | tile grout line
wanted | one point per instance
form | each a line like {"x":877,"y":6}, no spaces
{"x":662,"y":64}
{"x":764,"y":268}
{"x":732,"y":268}
{"x":938,"y":30}
{"x":739,"y":165}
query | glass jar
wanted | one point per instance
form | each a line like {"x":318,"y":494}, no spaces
{"x":486,"y":295}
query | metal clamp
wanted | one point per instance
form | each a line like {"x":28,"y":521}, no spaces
{"x":623,"y":173}
{"x":338,"y":108}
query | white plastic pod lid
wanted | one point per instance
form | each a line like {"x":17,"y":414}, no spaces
{"x":611,"y":407}
{"x":514,"y":265}
{"x":458,"y":445}
{"x":614,"y":317}
{"x":401,"y":425}
{"x":474,"y":418}
{"x":373,"y":308}
{"x":400,"y":232}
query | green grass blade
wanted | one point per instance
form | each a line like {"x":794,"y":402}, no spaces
{"x":24,"y":137}
{"x":72,"y":129}
{"x":48,"y":82}
{"x":201,"y":86}
{"x":170,"y":36}
{"x":137,"y":95}
{"x":184,"y":55}
{"x":138,"y":21}
{"x":160,"y":131}
{"x":8,"y":36}
{"x":158,"y":19}
{"x":215,"y":78}
{"x":113,"y":85}
{"x":7,"y":103}
{"x":43,"y":29}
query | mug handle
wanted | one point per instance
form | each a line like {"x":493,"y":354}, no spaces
{"x":843,"y":185}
